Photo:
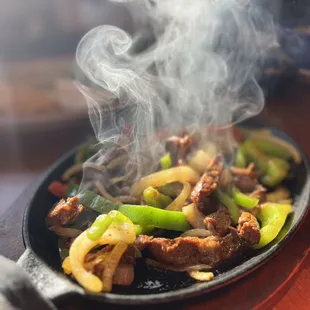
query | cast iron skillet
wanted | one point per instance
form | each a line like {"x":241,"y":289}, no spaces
{"x":41,"y":259}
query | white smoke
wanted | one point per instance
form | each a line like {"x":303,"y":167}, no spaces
{"x":200,"y":69}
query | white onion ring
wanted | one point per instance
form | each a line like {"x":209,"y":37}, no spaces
{"x":197,"y":232}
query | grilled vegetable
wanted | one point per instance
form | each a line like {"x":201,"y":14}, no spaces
{"x":229,"y":203}
{"x":244,"y":200}
{"x":272,"y":217}
{"x":166,"y":162}
{"x":95,"y":202}
{"x":146,"y":215}
{"x":176,"y":174}
{"x":154,"y":198}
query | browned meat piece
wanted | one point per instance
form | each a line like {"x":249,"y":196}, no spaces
{"x":248,"y":228}
{"x":211,"y":251}
{"x":208,"y":182}
{"x":259,"y":193}
{"x":191,"y":250}
{"x":218,"y":222}
{"x":65,"y":211}
{"x":245,"y":179}
{"x":178,"y":148}
{"x":210,"y":205}
{"x":225,"y":179}
{"x":124,"y":274}
{"x":129,"y":256}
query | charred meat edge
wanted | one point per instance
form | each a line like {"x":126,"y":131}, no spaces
{"x":212,"y":250}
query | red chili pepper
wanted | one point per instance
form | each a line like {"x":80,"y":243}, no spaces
{"x":238,"y":135}
{"x":58,"y":189}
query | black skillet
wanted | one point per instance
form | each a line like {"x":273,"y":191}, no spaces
{"x":42,"y":262}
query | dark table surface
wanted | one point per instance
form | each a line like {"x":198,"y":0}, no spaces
{"x":283,"y":283}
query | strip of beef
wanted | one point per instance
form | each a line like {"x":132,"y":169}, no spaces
{"x":259,"y":193}
{"x":207,"y":183}
{"x":124,"y":273}
{"x":248,"y":228}
{"x":65,"y":211}
{"x":178,"y":148}
{"x":212,"y":250}
{"x":245,"y":179}
{"x":218,"y":222}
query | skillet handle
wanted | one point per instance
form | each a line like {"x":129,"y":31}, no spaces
{"x":51,"y":285}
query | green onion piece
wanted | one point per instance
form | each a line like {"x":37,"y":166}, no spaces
{"x":244,"y":200}
{"x":155,"y":199}
{"x":146,"y":215}
{"x":229,"y":203}
{"x":166,"y":162}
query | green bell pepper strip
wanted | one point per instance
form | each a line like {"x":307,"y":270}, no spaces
{"x":145,"y":215}
{"x":96,"y":202}
{"x":168,"y":190}
{"x":272,"y":217}
{"x":277,"y":170}
{"x":230,"y":204}
{"x":103,"y":222}
{"x":154,"y":198}
{"x":272,"y":148}
{"x":144,"y":229}
{"x":274,"y":169}
{"x":100,"y":225}
{"x":244,"y":200}
{"x":240,"y":159}
{"x":166,"y":162}
{"x":253,"y":154}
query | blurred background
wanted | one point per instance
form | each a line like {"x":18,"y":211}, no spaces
{"x":42,"y":114}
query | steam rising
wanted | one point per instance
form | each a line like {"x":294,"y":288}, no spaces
{"x":201,"y":69}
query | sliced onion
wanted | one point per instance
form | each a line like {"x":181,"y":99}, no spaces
{"x":177,"y":204}
{"x":72,"y":171}
{"x":117,"y":161}
{"x":193,"y":216}
{"x":79,"y":168}
{"x":111,"y":264}
{"x":117,"y":232}
{"x":175,"y":267}
{"x":201,"y":276}
{"x":66,"y":266}
{"x":200,"y":161}
{"x":197,"y":232}
{"x":65,"y":232}
{"x":78,"y":250}
{"x":116,"y":180}
{"x":177,"y":174}
{"x":103,"y":192}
